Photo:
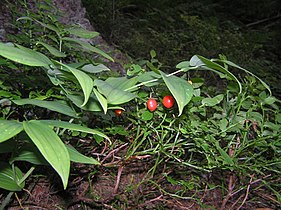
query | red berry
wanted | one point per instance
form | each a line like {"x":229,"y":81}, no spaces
{"x":118,"y":112}
{"x":168,"y":101}
{"x":151,"y":104}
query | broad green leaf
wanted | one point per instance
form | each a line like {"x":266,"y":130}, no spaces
{"x":183,"y":65}
{"x":149,"y":78}
{"x":77,"y":65}
{"x":102,"y":100}
{"x":223,"y":124}
{"x":216,"y":67}
{"x":212,"y":101}
{"x":256,"y":117}
{"x":116,"y":107}
{"x":50,"y":146}
{"x":122,"y":83}
{"x":84,"y":80}
{"x":71,"y":126}
{"x":57,"y":106}
{"x":180,"y":89}
{"x":52,"y":50}
{"x":146,"y":115}
{"x":196,"y":61}
{"x":24,"y":55}
{"x":90,"y":68}
{"x":83,"y":33}
{"x":269,"y":100}
{"x":9,"y":128}
{"x":36,"y":55}
{"x":77,"y":157}
{"x":89,"y":47}
{"x":31,"y":154}
{"x":92,"y":105}
{"x":9,"y":179}
{"x":114,"y":95}
{"x":152,"y":53}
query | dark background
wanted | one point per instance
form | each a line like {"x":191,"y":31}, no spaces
{"x":248,"y":32}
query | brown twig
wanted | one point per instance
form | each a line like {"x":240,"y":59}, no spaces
{"x":247,"y":192}
{"x":254,"y":182}
{"x":231,"y":152}
{"x":19,"y":201}
{"x":120,"y":169}
{"x":114,"y":151}
{"x":229,"y":194}
{"x":159,"y":198}
{"x":264,"y":20}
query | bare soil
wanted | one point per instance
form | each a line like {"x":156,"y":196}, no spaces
{"x":119,"y":184}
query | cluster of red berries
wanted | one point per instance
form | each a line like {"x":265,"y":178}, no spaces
{"x":168,"y":101}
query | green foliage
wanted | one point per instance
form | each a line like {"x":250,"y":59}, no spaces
{"x":231,"y":129}
{"x":45,"y":46}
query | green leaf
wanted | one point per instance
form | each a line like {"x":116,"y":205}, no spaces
{"x":57,"y":106}
{"x":195,"y":61}
{"x":9,"y":128}
{"x":226,"y":158}
{"x":113,"y":94}
{"x":122,"y":83}
{"x":184,"y":65}
{"x":134,"y":69}
{"x":50,"y":146}
{"x":270,"y":100}
{"x":77,"y":157}
{"x":9,"y":179}
{"x":52,"y":50}
{"x":24,"y":55}
{"x":71,"y":126}
{"x":212,"y":101}
{"x":216,"y":68}
{"x":92,"y":105}
{"x":152,"y":67}
{"x":149,"y":78}
{"x":222,"y":124}
{"x":83,"y":33}
{"x":31,"y":154}
{"x":102,"y":100}
{"x":181,"y":90}
{"x":146,"y":115}
{"x":152,"y":53}
{"x":89,"y":47}
{"x":84,"y":80}
{"x":90,"y":68}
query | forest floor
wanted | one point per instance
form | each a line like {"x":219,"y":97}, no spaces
{"x":118,"y":184}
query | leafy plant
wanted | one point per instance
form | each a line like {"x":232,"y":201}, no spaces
{"x":234,"y":129}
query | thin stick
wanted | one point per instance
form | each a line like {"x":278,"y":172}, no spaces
{"x":247,"y":192}
{"x":114,"y":151}
{"x":120,"y":169}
